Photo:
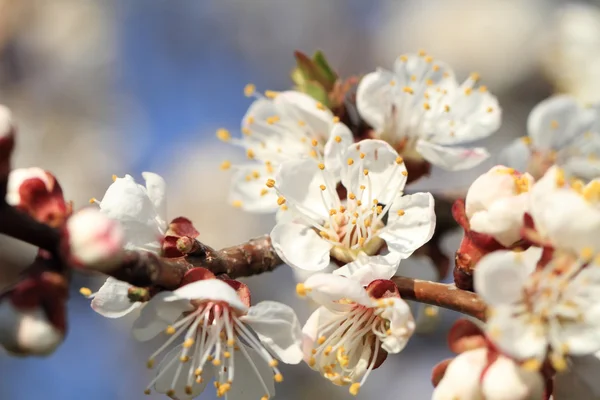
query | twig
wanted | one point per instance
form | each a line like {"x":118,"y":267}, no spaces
{"x":441,"y":295}
{"x":21,"y":226}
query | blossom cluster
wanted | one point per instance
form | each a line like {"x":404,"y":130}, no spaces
{"x":346,"y":222}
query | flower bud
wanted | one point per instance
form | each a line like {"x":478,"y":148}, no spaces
{"x":27,"y":331}
{"x":496,"y":202}
{"x":94,"y":240}
{"x":7,"y":140}
{"x":36,"y":192}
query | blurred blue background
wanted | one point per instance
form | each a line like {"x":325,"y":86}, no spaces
{"x":124,"y":86}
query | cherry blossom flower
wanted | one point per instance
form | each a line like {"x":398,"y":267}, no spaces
{"x":471,"y":376}
{"x":561,"y":132}
{"x":221,"y":335}
{"x":141,"y":212}
{"x":37,"y":193}
{"x":283,"y":126}
{"x":550,"y":313}
{"x":496,"y":203}
{"x":322,"y":224}
{"x":424,"y":113}
{"x":360,"y":320}
{"x":94,"y":240}
{"x":567,"y":215}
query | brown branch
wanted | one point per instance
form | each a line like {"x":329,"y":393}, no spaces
{"x":441,"y":295}
{"x":21,"y":226}
{"x":251,"y":258}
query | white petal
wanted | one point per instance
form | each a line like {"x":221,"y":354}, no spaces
{"x":298,"y":106}
{"x":402,"y":325}
{"x":334,"y":149}
{"x":505,"y":379}
{"x":157,"y":315}
{"x":319,"y":318}
{"x":27,"y":332}
{"x":557,"y":120}
{"x":461,"y":379}
{"x":385,"y":177}
{"x":300,"y":246}
{"x":582,"y":338}
{"x":516,"y":336}
{"x":167,"y":371}
{"x":452,"y":158}
{"x":157,"y":192}
{"x":299,"y":181}
{"x":367,"y":269}
{"x":503,"y":219}
{"x":500,"y":276}
{"x":112,"y":299}
{"x":246,"y":384}
{"x":208,"y":289}
{"x":278,"y":328}
{"x":407,"y":232}
{"x":516,"y":155}
{"x":373,"y":97}
{"x":325,"y":289}
{"x":252,"y":192}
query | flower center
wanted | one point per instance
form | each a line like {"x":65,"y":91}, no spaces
{"x":347,"y":345}
{"x":210,"y":335}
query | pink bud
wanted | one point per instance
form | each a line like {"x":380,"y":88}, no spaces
{"x":94,"y":240}
{"x":37,"y":193}
{"x":27,"y":331}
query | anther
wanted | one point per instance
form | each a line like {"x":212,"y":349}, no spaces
{"x":468,"y":91}
{"x":405,"y":173}
{"x":366,"y":172}
{"x":320,"y":106}
{"x":150,"y":363}
{"x":321,"y":340}
{"x":170,"y":392}
{"x":354,"y":389}
{"x":321,"y":166}
{"x":314,"y":142}
{"x":273,"y":363}
{"x":270,"y":183}
{"x":93,"y":200}
{"x":250,"y":153}
{"x":85,"y":292}
{"x":147,"y":392}
{"x":188,"y":343}
{"x":408,"y":89}
{"x":278,"y":378}
{"x":198,"y":371}
{"x":362,"y":156}
{"x":216,"y":362}
{"x":188,"y":390}
{"x":338,"y":139}
{"x":225,"y":165}
{"x":270,"y":94}
{"x":280,"y":200}
{"x":227,"y":354}
{"x":170,"y":330}
{"x":336,"y":119}
{"x":114,"y":178}
{"x":322,"y":187}
{"x":350,"y":161}
{"x":237,"y":203}
{"x":302,"y":290}
{"x":249,"y":90}
{"x":184,"y":359}
{"x":223,"y":134}
{"x":399,"y":160}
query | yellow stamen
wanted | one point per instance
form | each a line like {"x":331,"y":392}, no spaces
{"x":170,"y":330}
{"x":223,"y":134}
{"x":225,"y":165}
{"x":85,"y":292}
{"x":278,"y":378}
{"x":249,"y":90}
{"x":354,"y":389}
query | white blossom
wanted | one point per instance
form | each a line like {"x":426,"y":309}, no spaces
{"x":141,"y":212}
{"x":553,"y":312}
{"x":27,"y":331}
{"x":423,"y":112}
{"x":220,"y":336}
{"x":95,"y":241}
{"x":470,"y":376}
{"x":285,"y":126}
{"x":567,"y":215}
{"x":321,"y":224}
{"x":562,"y":132}
{"x":496,"y":203}
{"x":356,"y":323}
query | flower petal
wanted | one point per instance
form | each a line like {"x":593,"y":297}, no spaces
{"x":319,"y":318}
{"x":503,"y":219}
{"x":300,"y":181}
{"x":246,"y":384}
{"x":208,"y":289}
{"x":300,"y":246}
{"x":557,"y":120}
{"x":337,"y":144}
{"x":252,"y":192}
{"x":112,"y":300}
{"x":500,"y":276}
{"x":516,"y":335}
{"x":451,"y":158}
{"x":156,"y":187}
{"x":374,"y":97}
{"x":402,"y":325}
{"x":367,"y":269}
{"x":157,"y":315}
{"x":462,"y":377}
{"x":299,"y":106}
{"x":167,"y":369}
{"x":386,"y":178}
{"x":516,"y":155}
{"x":326,"y":289}
{"x":505,"y":379}
{"x":278,"y":328}
{"x":411,"y":223}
